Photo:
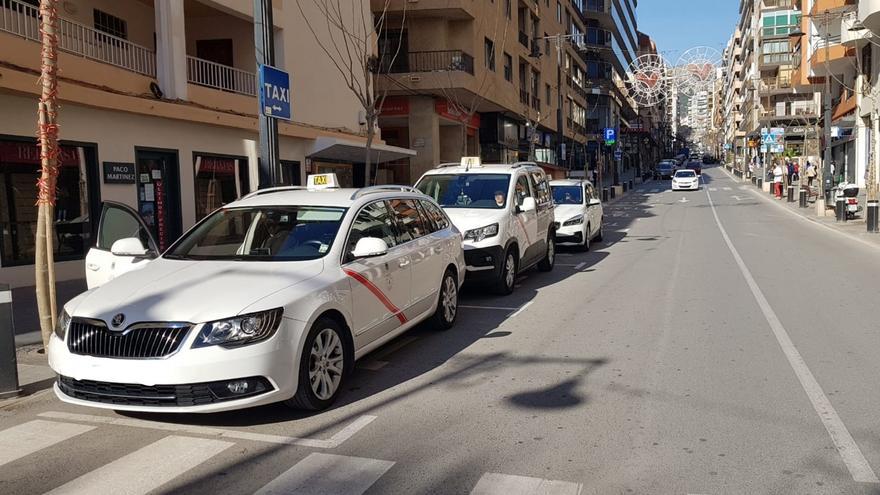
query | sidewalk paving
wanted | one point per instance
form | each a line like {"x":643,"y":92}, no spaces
{"x":855,"y":229}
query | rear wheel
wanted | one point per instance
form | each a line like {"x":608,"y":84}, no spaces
{"x":546,"y":264}
{"x":322,"y":367}
{"x":506,"y":281}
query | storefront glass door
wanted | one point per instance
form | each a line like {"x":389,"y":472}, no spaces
{"x":158,"y":180}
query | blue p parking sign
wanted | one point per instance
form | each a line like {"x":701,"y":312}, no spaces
{"x":274,"y":92}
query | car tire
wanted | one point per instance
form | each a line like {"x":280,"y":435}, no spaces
{"x":507,"y":279}
{"x":600,"y":235}
{"x":447,"y":302}
{"x":586,"y":244}
{"x":546,"y":264}
{"x":320,"y":396}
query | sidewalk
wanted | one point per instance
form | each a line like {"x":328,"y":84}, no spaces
{"x":24,"y":309}
{"x":854,"y":229}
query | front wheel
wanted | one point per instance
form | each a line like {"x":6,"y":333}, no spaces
{"x":322,"y":367}
{"x":546,"y":264}
{"x":447,"y":303}
{"x":600,"y":234}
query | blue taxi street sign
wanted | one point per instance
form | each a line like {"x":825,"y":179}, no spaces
{"x":274,"y":92}
{"x":618,"y":154}
{"x":610,"y":136}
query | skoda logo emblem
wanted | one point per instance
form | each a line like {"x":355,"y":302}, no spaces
{"x":117,"y":320}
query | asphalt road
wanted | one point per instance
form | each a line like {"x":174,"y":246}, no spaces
{"x":713,"y":344}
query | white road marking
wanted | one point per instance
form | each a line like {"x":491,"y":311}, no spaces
{"x":727,"y":189}
{"x":326,"y":474}
{"x":713,"y":189}
{"x":625,"y":230}
{"x":331,"y":443}
{"x":736,"y":198}
{"x":580,"y":265}
{"x":499,"y":308}
{"x":520,"y":310}
{"x":507,"y":484}
{"x":852,"y":456}
{"x":25,"y":439}
{"x":146,"y":469}
{"x":683,"y":200}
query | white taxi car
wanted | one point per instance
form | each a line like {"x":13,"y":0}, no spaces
{"x":578,"y":212}
{"x":685,"y":180}
{"x":505,"y":212}
{"x":270,"y":298}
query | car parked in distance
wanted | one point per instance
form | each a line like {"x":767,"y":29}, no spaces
{"x":505,"y":212}
{"x":685,"y":180}
{"x":578,"y":212}
{"x":270,"y":298}
{"x":666,"y":169}
{"x":696,"y":166}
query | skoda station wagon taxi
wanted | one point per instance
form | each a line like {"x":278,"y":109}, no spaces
{"x":270,"y":298}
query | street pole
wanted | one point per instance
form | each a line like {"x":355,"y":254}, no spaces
{"x":264,"y":45}
{"x":826,"y":158}
{"x":560,"y":136}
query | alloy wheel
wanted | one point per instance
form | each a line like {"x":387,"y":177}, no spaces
{"x":450,"y":298}
{"x":326,"y":364}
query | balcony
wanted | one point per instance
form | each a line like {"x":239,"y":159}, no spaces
{"x":780,"y":83}
{"x":869,"y":14}
{"x":524,"y":97}
{"x":597,"y":37}
{"x":448,"y":9}
{"x":830,"y":55}
{"x":21,"y":19}
{"x":803,"y":111}
{"x":845,"y":105}
{"x":820,"y":6}
{"x":430,"y":61}
{"x":219,"y":76}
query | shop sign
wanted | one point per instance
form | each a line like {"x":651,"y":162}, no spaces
{"x":29,"y":154}
{"x":443,"y":109}
{"x":119,"y":173}
{"x":217,"y":165}
{"x":395,"y":106}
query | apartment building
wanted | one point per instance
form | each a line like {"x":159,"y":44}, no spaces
{"x":491,"y":78}
{"x":163,"y":90}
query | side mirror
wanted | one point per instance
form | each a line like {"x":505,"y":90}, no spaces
{"x":528,"y":204}
{"x":594,"y":202}
{"x":129,"y":246}
{"x":369,"y":247}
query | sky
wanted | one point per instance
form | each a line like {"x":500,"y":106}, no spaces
{"x":676,"y":25}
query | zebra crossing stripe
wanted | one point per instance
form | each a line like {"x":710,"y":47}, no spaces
{"x":146,"y":469}
{"x":25,"y":439}
{"x":727,"y":189}
{"x":327,"y":474}
{"x":508,"y":484}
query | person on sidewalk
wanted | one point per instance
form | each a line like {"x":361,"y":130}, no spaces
{"x":778,"y":174}
{"x":790,"y":172}
{"x":811,"y":174}
{"x":797,"y":171}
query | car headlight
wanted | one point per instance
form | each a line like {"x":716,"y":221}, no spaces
{"x":61,"y":324}
{"x":240,"y":330}
{"x":481,"y":233}
{"x":574,"y":221}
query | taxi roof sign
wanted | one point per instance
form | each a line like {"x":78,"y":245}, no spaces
{"x":471,"y":161}
{"x":322,"y":181}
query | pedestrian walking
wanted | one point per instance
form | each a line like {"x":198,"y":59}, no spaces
{"x":811,"y":174}
{"x":790,"y":172}
{"x":778,"y":174}
{"x":797,"y":171}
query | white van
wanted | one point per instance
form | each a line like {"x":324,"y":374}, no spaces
{"x":506,"y":215}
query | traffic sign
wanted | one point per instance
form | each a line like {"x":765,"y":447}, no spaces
{"x":763,"y":148}
{"x":618,"y":154}
{"x":610,"y":136}
{"x":274,"y":92}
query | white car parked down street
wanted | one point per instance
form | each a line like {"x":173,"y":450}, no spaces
{"x":685,"y":180}
{"x":579,"y":214}
{"x":270,"y":298}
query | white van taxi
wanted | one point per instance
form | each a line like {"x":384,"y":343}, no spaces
{"x":505,"y":213}
{"x":270,"y":298}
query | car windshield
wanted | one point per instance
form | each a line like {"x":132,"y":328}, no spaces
{"x":265,"y":233}
{"x":568,"y":195}
{"x":685,"y":174}
{"x":467,"y":190}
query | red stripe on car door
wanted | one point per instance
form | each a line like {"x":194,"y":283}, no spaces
{"x":378,"y":293}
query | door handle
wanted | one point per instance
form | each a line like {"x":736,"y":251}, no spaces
{"x":403,"y":262}
{"x":93,"y":267}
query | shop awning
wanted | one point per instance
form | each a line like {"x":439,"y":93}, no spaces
{"x":344,"y":150}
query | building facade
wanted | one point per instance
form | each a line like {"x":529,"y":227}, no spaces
{"x":158,"y":111}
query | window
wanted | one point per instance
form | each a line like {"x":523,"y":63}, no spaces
{"x":508,"y":67}
{"x":546,"y":44}
{"x":110,"y":24}
{"x":558,"y":12}
{"x":867,"y":63}
{"x":547,"y":93}
{"x":409,"y":219}
{"x":466,"y":190}
{"x":219,"y":180}
{"x":374,"y":220}
{"x":523,"y":190}
{"x":116,"y":224}
{"x":508,"y":11}
{"x":436,"y":215}
{"x":489,"y":54}
{"x":568,"y":195}
{"x":542,"y":188}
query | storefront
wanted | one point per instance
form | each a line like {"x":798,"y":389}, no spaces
{"x":77,"y":201}
{"x":219,"y":179}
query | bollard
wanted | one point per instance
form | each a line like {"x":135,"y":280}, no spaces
{"x":754,"y":180}
{"x":613,"y":192}
{"x":791,"y":193}
{"x":630,"y":185}
{"x":802,"y":198}
{"x":759,"y":182}
{"x":8,"y":366}
{"x":624,"y":187}
{"x":871,"y":217}
{"x":604,"y":194}
{"x":840,"y":208}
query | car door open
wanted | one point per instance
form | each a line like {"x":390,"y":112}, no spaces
{"x":123,"y":244}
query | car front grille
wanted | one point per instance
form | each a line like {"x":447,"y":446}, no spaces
{"x":130,"y":394}
{"x":140,"y":342}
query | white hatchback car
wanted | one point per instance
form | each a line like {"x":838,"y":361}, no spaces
{"x":578,"y":212}
{"x":270,"y":298}
{"x":687,"y":180}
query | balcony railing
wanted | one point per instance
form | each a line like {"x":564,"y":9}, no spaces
{"x":536,"y":103}
{"x":822,"y":43}
{"x":524,"y":97}
{"x":22,"y":19}
{"x":430,"y":61}
{"x":775,"y":83}
{"x":219,"y":76}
